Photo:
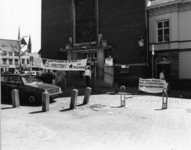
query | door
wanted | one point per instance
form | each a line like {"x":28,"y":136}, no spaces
{"x":166,"y":68}
{"x":92,"y":57}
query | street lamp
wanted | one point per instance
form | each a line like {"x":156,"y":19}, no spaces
{"x":153,"y":53}
{"x":141,"y":44}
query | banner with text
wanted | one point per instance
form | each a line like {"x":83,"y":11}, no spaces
{"x":67,"y":65}
{"x":152,"y":85}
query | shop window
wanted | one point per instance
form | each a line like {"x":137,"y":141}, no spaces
{"x":163,"y":31}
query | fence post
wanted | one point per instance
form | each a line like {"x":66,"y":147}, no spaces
{"x":73,"y":101}
{"x":165,"y":100}
{"x":15,"y":98}
{"x":87,"y":95}
{"x":45,"y":101}
{"x":122,"y":95}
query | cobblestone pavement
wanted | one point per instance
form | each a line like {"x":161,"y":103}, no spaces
{"x":100,"y":125}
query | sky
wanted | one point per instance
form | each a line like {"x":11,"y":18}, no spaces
{"x":25,"y":14}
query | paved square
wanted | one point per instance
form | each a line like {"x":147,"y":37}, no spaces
{"x":102,"y":124}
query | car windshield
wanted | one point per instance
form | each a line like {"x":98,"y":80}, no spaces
{"x":31,"y":80}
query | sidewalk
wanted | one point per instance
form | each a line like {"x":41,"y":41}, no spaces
{"x":100,"y":125}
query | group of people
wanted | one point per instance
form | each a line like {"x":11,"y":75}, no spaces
{"x":60,"y":78}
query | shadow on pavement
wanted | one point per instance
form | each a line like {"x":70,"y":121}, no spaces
{"x":67,"y":109}
{"x":7,"y":108}
{"x":8,"y":101}
{"x":36,"y":112}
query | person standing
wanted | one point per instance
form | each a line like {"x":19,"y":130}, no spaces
{"x":87,"y":75}
{"x":161,"y":76}
{"x":64,"y":78}
{"x":60,"y":79}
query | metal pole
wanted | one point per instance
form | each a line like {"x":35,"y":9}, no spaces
{"x":152,"y":67}
{"x":30,"y":65}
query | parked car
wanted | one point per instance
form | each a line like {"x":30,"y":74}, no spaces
{"x":30,"y":88}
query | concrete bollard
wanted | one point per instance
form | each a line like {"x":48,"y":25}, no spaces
{"x":45,"y":101}
{"x":87,"y":95}
{"x":73,"y":101}
{"x":165,"y":100}
{"x":122,"y":93}
{"x":15,"y":98}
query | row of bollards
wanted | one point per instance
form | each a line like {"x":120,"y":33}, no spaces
{"x":73,"y":101}
{"x":74,"y":95}
{"x":46,"y":99}
{"x":164,"y":97}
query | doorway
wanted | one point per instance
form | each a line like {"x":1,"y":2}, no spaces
{"x":163,"y":63}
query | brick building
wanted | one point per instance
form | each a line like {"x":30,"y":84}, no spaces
{"x":97,"y":29}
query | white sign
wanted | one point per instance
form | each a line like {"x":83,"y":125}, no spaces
{"x":153,"y":49}
{"x":152,"y":85}
{"x":108,"y":61}
{"x":67,"y":65}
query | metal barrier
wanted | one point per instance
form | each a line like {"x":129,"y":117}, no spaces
{"x":165,"y":100}
{"x":122,"y":95}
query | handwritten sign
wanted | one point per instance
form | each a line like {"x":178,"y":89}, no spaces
{"x":152,"y":85}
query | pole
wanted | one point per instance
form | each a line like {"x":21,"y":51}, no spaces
{"x":153,"y":52}
{"x":152,"y":67}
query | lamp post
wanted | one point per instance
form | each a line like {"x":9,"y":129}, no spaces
{"x":153,"y":53}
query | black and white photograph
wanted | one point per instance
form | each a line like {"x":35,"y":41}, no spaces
{"x":95,"y":74}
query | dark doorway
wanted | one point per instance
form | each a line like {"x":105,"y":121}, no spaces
{"x":165,"y":67}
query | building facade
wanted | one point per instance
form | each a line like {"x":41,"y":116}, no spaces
{"x":9,"y":56}
{"x":170,"y":38}
{"x":97,"y":30}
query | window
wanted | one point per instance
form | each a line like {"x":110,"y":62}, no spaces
{"x":27,"y":61}
{"x":10,"y":53}
{"x":4,"y":78}
{"x":23,"y":61}
{"x":16,"y":54}
{"x":4,"y":61}
{"x":16,"y":61}
{"x":163,"y":31}
{"x":15,"y":79}
{"x":4,"y":53}
{"x":10,"y":62}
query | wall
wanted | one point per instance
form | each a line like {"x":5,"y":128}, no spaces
{"x":56,"y":27}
